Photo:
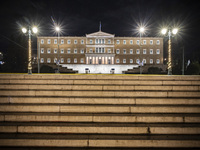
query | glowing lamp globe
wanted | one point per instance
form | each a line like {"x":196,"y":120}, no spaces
{"x":174,"y":31}
{"x":35,"y":30}
{"x":164,"y":31}
{"x":24,"y":30}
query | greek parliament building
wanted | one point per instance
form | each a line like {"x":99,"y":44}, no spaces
{"x":100,"y":52}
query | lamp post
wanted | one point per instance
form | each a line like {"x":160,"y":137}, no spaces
{"x":29,"y":33}
{"x":57,"y":28}
{"x":170,"y":34}
{"x":141,"y":30}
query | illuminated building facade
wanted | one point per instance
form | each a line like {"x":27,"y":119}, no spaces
{"x":100,"y":52}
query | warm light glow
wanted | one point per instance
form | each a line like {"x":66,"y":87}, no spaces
{"x":174,"y":31}
{"x":57,"y":29}
{"x":164,"y":31}
{"x":35,"y":30}
{"x":24,"y":30}
{"x":141,"y":29}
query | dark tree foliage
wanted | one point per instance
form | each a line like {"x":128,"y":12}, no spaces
{"x":16,"y":56}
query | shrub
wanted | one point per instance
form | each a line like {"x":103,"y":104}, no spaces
{"x":154,"y":70}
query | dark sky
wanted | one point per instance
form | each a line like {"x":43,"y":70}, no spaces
{"x":119,"y":17}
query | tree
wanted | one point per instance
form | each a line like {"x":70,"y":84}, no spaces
{"x":193,"y":68}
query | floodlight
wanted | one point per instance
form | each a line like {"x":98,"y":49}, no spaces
{"x":141,"y":29}
{"x":57,"y":29}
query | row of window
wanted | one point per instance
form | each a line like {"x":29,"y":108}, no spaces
{"x":143,"y":42}
{"x":101,"y":50}
{"x":61,"y":41}
{"x":117,"y":60}
{"x":101,"y":41}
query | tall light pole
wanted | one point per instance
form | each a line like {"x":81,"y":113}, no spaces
{"x":57,"y":28}
{"x":170,"y":35}
{"x":141,"y":30}
{"x":30,"y":32}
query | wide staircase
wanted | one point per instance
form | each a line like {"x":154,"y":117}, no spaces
{"x":99,"y":112}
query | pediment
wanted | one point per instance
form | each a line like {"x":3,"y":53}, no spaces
{"x":100,"y":34}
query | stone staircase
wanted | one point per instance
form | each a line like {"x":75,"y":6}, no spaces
{"x":99,"y":112}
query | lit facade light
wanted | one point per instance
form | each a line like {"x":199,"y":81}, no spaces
{"x":24,"y":30}
{"x":174,"y":31}
{"x":164,"y":31}
{"x":34,"y":29}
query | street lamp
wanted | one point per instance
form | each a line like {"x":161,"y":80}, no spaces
{"x":169,"y":34}
{"x":57,"y":28}
{"x":30,"y":32}
{"x":141,"y":30}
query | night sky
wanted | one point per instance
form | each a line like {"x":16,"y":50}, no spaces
{"x":119,"y":17}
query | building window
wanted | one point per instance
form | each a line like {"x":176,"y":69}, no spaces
{"x":158,"y":61}
{"x":117,"y":51}
{"x":48,"y":60}
{"x":137,"y":51}
{"x":42,"y":41}
{"x":75,"y":51}
{"x":42,"y":50}
{"x":124,"y":51}
{"x":158,"y":51}
{"x":103,"y":50}
{"x":131,"y":61}
{"x":55,"y":60}
{"x":62,"y":41}
{"x":151,"y":51}
{"x":144,"y":61}
{"x":68,"y":41}
{"x":82,"y":60}
{"x":91,"y":41}
{"x":68,"y":51}
{"x":62,"y":60}
{"x":75,"y":41}
{"x":55,"y":41}
{"x":42,"y":60}
{"x":158,"y":42}
{"x":124,"y":61}
{"x":137,"y":61}
{"x":49,"y":41}
{"x":131,"y":41}
{"x":103,"y":41}
{"x":151,"y":61}
{"x":151,"y":42}
{"x":55,"y":51}
{"x":124,"y":41}
{"x":75,"y":60}
{"x":138,"y":42}
{"x":68,"y":60}
{"x":131,"y":51}
{"x":117,"y":60}
{"x":144,"y":42}
{"x":62,"y":51}
{"x":82,"y":41}
{"x":48,"y":50}
{"x":109,"y":41}
{"x":109,"y":51}
{"x":91,"y":51}
{"x":82,"y":51}
{"x":144,"y":51}
{"x":118,"y":42}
